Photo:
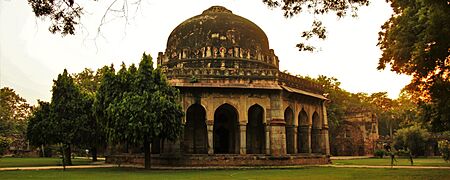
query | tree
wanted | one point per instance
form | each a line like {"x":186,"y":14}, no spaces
{"x":384,"y":107}
{"x":14,"y":111}
{"x":415,"y":41}
{"x":39,"y":126}
{"x":64,"y":14}
{"x":147,"y":110}
{"x":444,"y":149}
{"x":69,"y":113}
{"x":92,"y":134}
{"x":412,"y":138}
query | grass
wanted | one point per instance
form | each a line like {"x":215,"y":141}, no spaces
{"x":386,"y":161}
{"x":34,"y":162}
{"x":300,"y":173}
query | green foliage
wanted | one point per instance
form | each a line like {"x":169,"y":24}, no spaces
{"x":379,"y":153}
{"x":412,"y":138}
{"x":14,"y":112}
{"x":39,"y":126}
{"x":415,"y":41}
{"x":138,"y":105}
{"x":444,"y":149}
{"x":70,"y":112}
{"x":5,"y":142}
{"x":92,"y":133}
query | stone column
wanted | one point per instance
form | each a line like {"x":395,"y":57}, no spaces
{"x":243,"y":139}
{"x":277,"y":137}
{"x":326,"y":140}
{"x":210,"y":129}
{"x":277,"y":126}
{"x":267,"y":134}
{"x":294,"y":129}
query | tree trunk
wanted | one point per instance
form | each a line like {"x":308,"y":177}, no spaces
{"x":67,"y":155}
{"x":43,"y":150}
{"x":147,"y":154}
{"x":94,"y":153}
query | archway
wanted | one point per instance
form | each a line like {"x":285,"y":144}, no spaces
{"x":302,"y":132}
{"x":225,"y":131}
{"x":195,"y":133}
{"x":255,"y":130}
{"x":290,"y":133}
{"x":315,"y":134}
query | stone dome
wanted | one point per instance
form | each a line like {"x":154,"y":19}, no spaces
{"x":218,"y":27}
{"x":218,"y":45}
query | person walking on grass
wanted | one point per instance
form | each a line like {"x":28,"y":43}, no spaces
{"x":393,"y":160}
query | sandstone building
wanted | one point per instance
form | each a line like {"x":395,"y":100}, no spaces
{"x":239,"y":108}
{"x":238,"y":104}
{"x":359,"y":135}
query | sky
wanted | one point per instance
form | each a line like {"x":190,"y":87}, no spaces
{"x":31,"y":57}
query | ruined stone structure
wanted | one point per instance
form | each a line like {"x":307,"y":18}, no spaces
{"x":239,"y":108}
{"x":359,"y":135}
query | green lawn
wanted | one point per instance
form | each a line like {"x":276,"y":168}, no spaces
{"x":24,"y":162}
{"x":282,"y":174}
{"x":387,"y":162}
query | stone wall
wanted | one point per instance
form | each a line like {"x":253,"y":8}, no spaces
{"x":222,"y":160}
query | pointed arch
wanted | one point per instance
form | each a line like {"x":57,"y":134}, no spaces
{"x":195,"y":132}
{"x":226,"y":130}
{"x":255,"y":134}
{"x":303,"y":132}
{"x":315,"y":134}
{"x":290,"y":130}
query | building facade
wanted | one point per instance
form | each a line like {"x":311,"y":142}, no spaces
{"x":235,"y":98}
{"x":239,"y":108}
{"x":359,"y":135}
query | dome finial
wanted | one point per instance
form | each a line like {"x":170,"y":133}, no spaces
{"x":217,"y":9}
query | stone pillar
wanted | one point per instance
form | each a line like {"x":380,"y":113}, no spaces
{"x":243,"y":140}
{"x":294,"y":129}
{"x":326,"y":140}
{"x":267,"y":134}
{"x":277,"y":126}
{"x":277,"y":137}
{"x":210,"y":129}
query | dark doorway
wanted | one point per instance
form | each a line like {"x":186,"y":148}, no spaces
{"x":302,"y":132}
{"x":290,"y":131}
{"x":226,"y":132}
{"x":255,"y":130}
{"x":315,"y":134}
{"x":195,"y":133}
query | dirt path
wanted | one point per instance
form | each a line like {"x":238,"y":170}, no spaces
{"x":217,"y":167}
{"x":381,"y":167}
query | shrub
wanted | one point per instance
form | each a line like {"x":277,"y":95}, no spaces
{"x":379,"y":153}
{"x":5,"y":142}
{"x":444,"y":148}
{"x":413,"y":138}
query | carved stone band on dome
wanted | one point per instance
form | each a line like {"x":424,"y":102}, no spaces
{"x":217,"y":9}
